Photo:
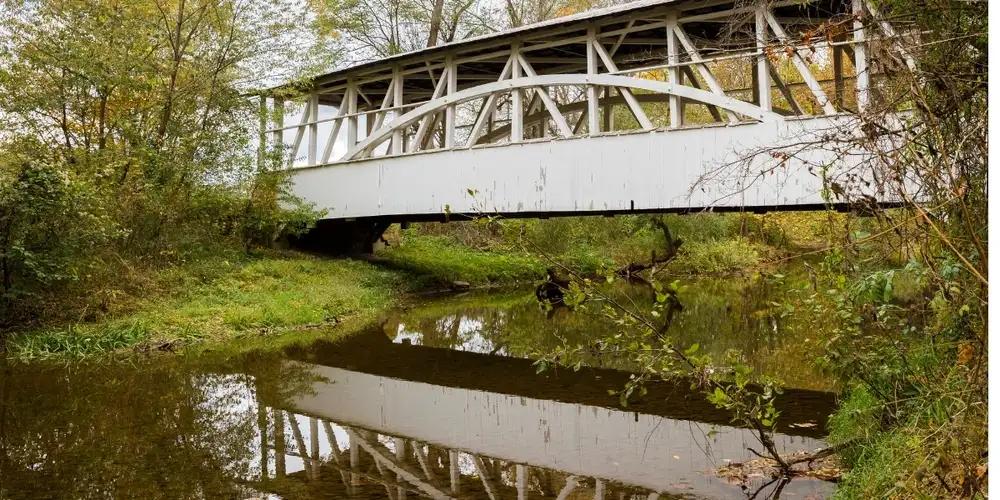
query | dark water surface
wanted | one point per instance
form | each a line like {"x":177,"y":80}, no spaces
{"x":438,"y":400}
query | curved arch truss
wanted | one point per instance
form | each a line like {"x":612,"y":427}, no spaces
{"x":640,"y":67}
{"x":541,"y":83}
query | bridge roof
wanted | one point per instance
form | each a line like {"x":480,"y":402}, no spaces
{"x":639,"y":33}
{"x":588,"y":15}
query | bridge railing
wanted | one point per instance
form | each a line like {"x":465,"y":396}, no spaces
{"x":767,"y":67}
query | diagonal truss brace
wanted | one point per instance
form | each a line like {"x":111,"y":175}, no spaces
{"x":439,"y":90}
{"x":801,"y":65}
{"x":488,"y":107}
{"x":706,"y":74}
{"x":633,"y":104}
{"x":557,"y":115}
{"x":890,"y":33}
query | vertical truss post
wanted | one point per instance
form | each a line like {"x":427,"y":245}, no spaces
{"x":313,"y":144}
{"x":352,"y":440}
{"x":400,"y":445}
{"x":262,"y":134}
{"x":522,"y":482}
{"x":862,"y":81}
{"x":314,"y":445}
{"x":397,"y":101}
{"x":673,"y":72}
{"x":592,"y":102}
{"x":456,"y":478}
{"x":838,"y":72}
{"x":599,"y":490}
{"x":265,"y":453}
{"x":516,"y":106}
{"x":609,"y":116}
{"x":763,"y":76}
{"x":542,"y":122}
{"x":451,"y":69}
{"x":754,"y":83}
{"x":351,"y":94}
{"x":278,"y":136}
{"x":279,"y":443}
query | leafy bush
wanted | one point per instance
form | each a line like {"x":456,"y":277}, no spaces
{"x":51,"y":220}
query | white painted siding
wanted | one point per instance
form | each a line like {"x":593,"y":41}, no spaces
{"x":654,"y":170}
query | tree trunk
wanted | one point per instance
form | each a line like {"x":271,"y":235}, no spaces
{"x":432,"y":37}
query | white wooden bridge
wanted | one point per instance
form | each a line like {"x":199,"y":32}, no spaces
{"x":655,"y":105}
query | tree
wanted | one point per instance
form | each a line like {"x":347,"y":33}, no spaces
{"x":913,"y":365}
{"x":141,"y":108}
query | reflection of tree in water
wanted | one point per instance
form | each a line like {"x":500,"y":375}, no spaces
{"x":735,"y":313}
{"x":163,"y":428}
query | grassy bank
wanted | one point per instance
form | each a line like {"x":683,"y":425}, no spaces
{"x":224,"y":294}
{"x":513,"y":251}
{"x":217,"y":299}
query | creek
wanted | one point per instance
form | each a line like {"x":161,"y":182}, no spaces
{"x":437,"y":399}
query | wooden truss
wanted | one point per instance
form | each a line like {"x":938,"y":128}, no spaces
{"x":653,"y":61}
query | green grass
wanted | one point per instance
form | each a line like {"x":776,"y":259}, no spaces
{"x":709,"y":257}
{"x":516,"y":251}
{"x":882,"y":458}
{"x":440,"y":260}
{"x":223,"y":295}
{"x":253,"y":298}
{"x":875,"y":470}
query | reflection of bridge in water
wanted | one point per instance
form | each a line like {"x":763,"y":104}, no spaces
{"x":363,"y":432}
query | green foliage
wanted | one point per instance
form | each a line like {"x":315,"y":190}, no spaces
{"x":734,"y":254}
{"x":49,"y":218}
{"x":139,"y":148}
{"x":905,"y":343}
